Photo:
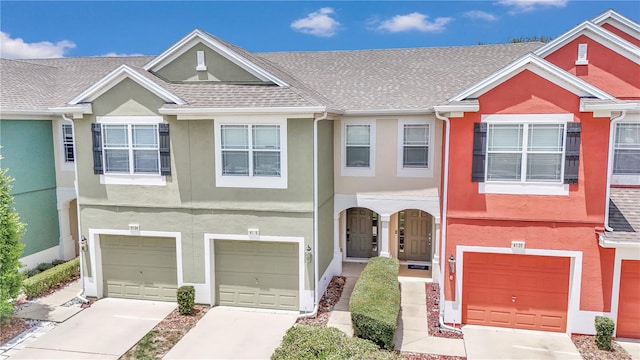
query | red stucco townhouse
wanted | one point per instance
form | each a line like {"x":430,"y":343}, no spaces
{"x":542,"y":210}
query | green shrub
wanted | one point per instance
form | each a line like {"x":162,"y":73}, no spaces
{"x":186,"y":299}
{"x":306,"y":342}
{"x":375,"y":302}
{"x":44,"y":266}
{"x":39,"y":284}
{"x":604,"y":332}
{"x":57,"y":262}
{"x":32,"y":272}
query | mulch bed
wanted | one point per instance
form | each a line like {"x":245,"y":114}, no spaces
{"x":12,"y":328}
{"x":587,"y":347}
{"x":328,"y":301}
{"x":433,"y":313}
{"x":167,"y":333}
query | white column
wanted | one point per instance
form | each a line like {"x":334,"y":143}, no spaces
{"x":342,"y":232}
{"x":435,"y":262}
{"x":384,"y":237}
{"x":67,"y":247}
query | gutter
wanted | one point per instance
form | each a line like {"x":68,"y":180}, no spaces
{"x":612,"y":134}
{"x":443,"y":221}
{"x":75,"y":182}
{"x":316,"y":277}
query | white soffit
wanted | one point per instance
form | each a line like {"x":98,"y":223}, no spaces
{"x":603,"y":36}
{"x":541,"y":68}
{"x":115,"y":77}
{"x":197,"y":36}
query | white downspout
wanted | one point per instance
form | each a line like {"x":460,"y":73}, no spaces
{"x":443,"y":221}
{"x":612,"y":134}
{"x":75,"y":184}
{"x":316,"y":277}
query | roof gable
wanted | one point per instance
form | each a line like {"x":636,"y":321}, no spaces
{"x":200,"y":37}
{"x":603,"y":36}
{"x":618,"y":21}
{"x":115,"y":77}
{"x":540,"y":67}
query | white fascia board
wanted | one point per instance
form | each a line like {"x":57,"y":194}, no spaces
{"x":208,"y":113}
{"x":612,"y":106}
{"x":9,"y":114}
{"x":616,"y":244}
{"x":473,"y":106}
{"x":540,"y":67}
{"x":115,"y":77}
{"x":197,"y":36}
{"x":85,"y":108}
{"x":386,"y":112}
{"x":612,"y":15}
{"x":603,"y":36}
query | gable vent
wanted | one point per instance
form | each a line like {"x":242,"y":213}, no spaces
{"x":200,"y":66}
{"x":582,"y":55}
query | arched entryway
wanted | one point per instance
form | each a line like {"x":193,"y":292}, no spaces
{"x":362,"y":233}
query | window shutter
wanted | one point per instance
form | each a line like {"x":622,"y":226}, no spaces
{"x":479,"y":151}
{"x":96,"y":137}
{"x":165,"y":154}
{"x":572,"y":153}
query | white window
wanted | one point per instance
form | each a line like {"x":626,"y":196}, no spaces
{"x":358,"y":148}
{"x":415,"y":140}
{"x":67,"y":143}
{"x":131,"y":149}
{"x":626,"y":154}
{"x":525,"y":154}
{"x":251,"y":154}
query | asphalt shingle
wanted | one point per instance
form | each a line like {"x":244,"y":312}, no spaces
{"x":624,"y":215}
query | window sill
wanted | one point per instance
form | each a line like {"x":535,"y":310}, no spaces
{"x":625,"y":179}
{"x":507,"y":188}
{"x":124,"y":179}
{"x":255,"y":182}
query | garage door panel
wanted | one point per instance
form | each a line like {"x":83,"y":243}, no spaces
{"x":137,"y":267}
{"x":515,"y":291}
{"x":628,"y":324}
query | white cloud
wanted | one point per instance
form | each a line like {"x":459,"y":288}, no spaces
{"x":17,"y":48}
{"x":480,"y":15}
{"x":414,"y":21}
{"x":521,"y":6}
{"x":115,"y":54}
{"x":318,"y":23}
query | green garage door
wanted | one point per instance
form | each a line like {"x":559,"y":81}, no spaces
{"x":257,"y":274}
{"x":137,"y":267}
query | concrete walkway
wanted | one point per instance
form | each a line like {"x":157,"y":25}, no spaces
{"x":51,"y":307}
{"x":234,"y":333}
{"x":412,"y":334}
{"x":632,"y":346}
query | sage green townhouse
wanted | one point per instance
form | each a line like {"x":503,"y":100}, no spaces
{"x":253,"y":177}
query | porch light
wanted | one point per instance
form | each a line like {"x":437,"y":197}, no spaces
{"x":452,"y":264}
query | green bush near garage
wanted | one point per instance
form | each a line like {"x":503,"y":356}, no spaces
{"x":304,"y":342}
{"x":41,"y":283}
{"x":375,"y":302}
{"x":604,"y":332}
{"x":186,"y":296}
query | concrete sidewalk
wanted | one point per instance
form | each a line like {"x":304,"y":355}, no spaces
{"x":412,"y":334}
{"x":51,"y":307}
{"x":632,"y":346}
{"x":234,"y":333}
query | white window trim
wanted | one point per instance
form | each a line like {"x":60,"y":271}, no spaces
{"x":353,"y":171}
{"x":257,"y":182}
{"x":64,"y":164}
{"x":415,"y":172}
{"x":527,"y":188}
{"x":621,"y":179}
{"x":131,"y":179}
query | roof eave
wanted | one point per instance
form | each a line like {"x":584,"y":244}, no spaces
{"x":210,"y":112}
{"x":608,"y":243}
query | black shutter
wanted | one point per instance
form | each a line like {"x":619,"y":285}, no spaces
{"x":165,"y":154}
{"x":96,"y":137}
{"x":479,"y":151}
{"x":572,"y":153}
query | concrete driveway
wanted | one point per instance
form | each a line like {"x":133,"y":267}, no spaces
{"x":225,"y":333}
{"x":106,"y":330}
{"x":501,"y":343}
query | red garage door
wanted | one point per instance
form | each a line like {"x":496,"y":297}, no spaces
{"x":516,"y":291}
{"x":629,"y":301}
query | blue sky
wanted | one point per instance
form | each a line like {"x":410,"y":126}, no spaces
{"x":97,"y":28}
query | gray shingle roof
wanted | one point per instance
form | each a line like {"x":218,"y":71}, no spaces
{"x":397,"y":78}
{"x":624,"y":215}
{"x":351,"y":80}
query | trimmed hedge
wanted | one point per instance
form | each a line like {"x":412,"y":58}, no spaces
{"x":41,"y":283}
{"x":375,"y":302}
{"x":186,"y":296}
{"x":604,"y":331}
{"x":304,"y":342}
